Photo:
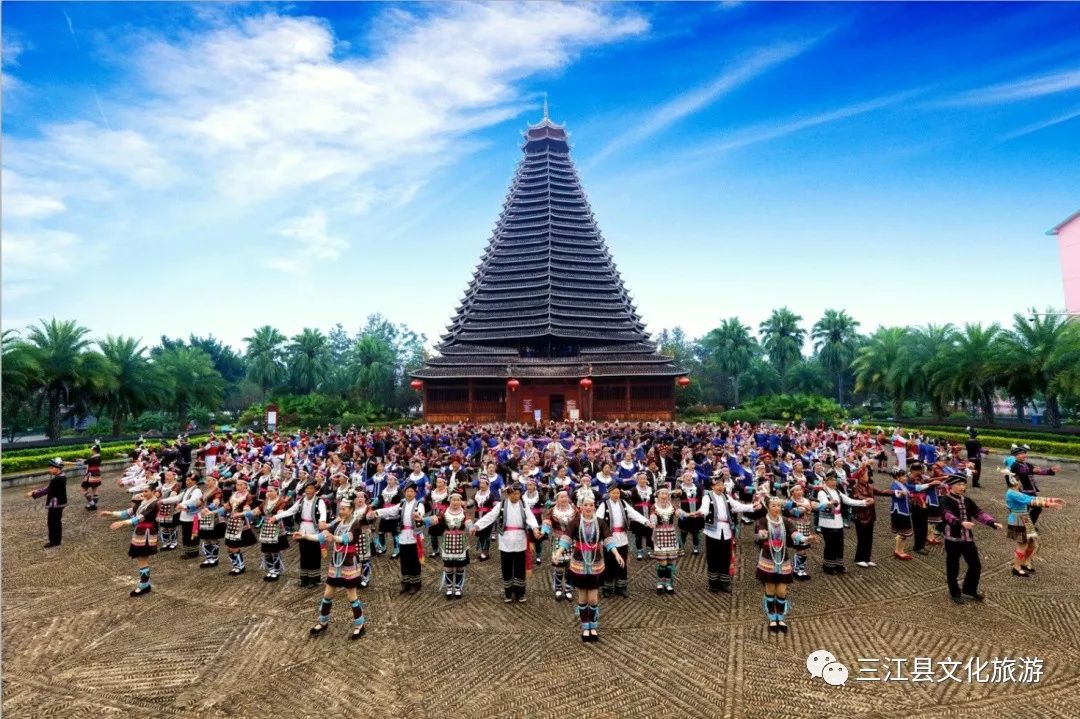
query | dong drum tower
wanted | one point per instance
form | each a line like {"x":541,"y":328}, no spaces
{"x":546,"y":329}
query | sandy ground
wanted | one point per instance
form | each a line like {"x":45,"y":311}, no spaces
{"x":206,"y":644}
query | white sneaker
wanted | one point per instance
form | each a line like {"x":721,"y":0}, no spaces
{"x":457,"y":592}
{"x":871,"y":564}
{"x":864,"y":565}
{"x":558,"y":594}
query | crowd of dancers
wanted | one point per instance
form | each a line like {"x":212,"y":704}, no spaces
{"x":588,"y":496}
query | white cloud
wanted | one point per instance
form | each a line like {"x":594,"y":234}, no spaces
{"x":42,"y":253}
{"x":233,"y":133}
{"x":697,"y":99}
{"x":772,"y":131}
{"x":1020,"y":90}
{"x":13,"y":47}
{"x":1042,"y":125}
{"x":311,"y":238}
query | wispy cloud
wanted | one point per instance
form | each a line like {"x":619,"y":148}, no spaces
{"x":697,"y":99}
{"x":238,"y":130}
{"x":311,"y":240}
{"x":771,"y":131}
{"x":40,"y":253}
{"x":1019,"y":90}
{"x":1036,"y":126}
{"x":71,"y":27}
{"x":13,"y":47}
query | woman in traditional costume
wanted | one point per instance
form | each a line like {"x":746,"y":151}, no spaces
{"x":664,"y":521}
{"x":455,"y":524}
{"x":586,"y":540}
{"x":1021,"y":526}
{"x":344,"y":570}
{"x":556,"y":523}
{"x":776,"y":535}
{"x":144,"y":536}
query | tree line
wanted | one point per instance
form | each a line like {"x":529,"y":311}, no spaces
{"x":941,"y":368}
{"x":55,"y":370}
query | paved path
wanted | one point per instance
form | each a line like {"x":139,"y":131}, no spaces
{"x":208,"y":645}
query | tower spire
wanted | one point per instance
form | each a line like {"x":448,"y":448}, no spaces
{"x":545,"y":107}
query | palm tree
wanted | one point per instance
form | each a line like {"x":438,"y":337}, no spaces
{"x":18,"y":367}
{"x":266,"y":357}
{"x":373,"y":365}
{"x":18,"y":377}
{"x":138,"y":385}
{"x":308,"y":360}
{"x":190,"y":378}
{"x":970,"y":368}
{"x":923,"y":352}
{"x":836,"y":338}
{"x":807,"y":376}
{"x":1065,"y":364}
{"x":69,"y":372}
{"x":760,"y":379}
{"x":1038,"y":348}
{"x":878,"y":367}
{"x":732,"y":348}
{"x":782,"y":338}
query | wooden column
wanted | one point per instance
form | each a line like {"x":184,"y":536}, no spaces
{"x":627,"y":397}
{"x":471,"y":416}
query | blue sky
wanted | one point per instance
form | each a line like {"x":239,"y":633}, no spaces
{"x":207,"y":168}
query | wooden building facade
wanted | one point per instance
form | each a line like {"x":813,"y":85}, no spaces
{"x":546,"y":329}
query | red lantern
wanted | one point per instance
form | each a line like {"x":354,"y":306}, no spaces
{"x":416,"y":385}
{"x":513,"y":384}
{"x":683,"y":382}
{"x":585,"y":383}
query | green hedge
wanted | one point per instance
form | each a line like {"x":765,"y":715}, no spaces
{"x":17,"y":464}
{"x":730,"y":416}
{"x":85,"y":448}
{"x":1054,"y":449}
{"x":1013,"y":434}
{"x":1004,"y":433}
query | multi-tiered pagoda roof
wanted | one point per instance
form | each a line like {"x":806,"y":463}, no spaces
{"x":546,"y":299}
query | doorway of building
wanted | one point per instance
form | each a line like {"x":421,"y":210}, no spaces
{"x":556,"y":406}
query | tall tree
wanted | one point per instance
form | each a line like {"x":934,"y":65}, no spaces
{"x":732,"y":348}
{"x":970,"y":367}
{"x":18,"y":377}
{"x":878,"y":367}
{"x":191,"y":379}
{"x":266,"y":357}
{"x":70,"y":374}
{"x":340,"y":343}
{"x":308,"y":360}
{"x":836,"y":338}
{"x":1038,"y":348}
{"x":373,"y":366}
{"x":137,"y":386}
{"x":760,"y":379}
{"x":226,"y":361}
{"x":807,"y":376}
{"x":782,"y":338}
{"x":924,"y":350}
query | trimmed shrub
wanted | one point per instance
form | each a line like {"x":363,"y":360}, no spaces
{"x":738,"y":415}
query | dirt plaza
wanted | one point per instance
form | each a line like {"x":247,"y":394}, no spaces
{"x":204,"y":644}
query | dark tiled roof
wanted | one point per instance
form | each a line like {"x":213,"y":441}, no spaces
{"x":546,"y":274}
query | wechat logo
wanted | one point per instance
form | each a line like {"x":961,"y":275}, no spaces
{"x":823,"y":665}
